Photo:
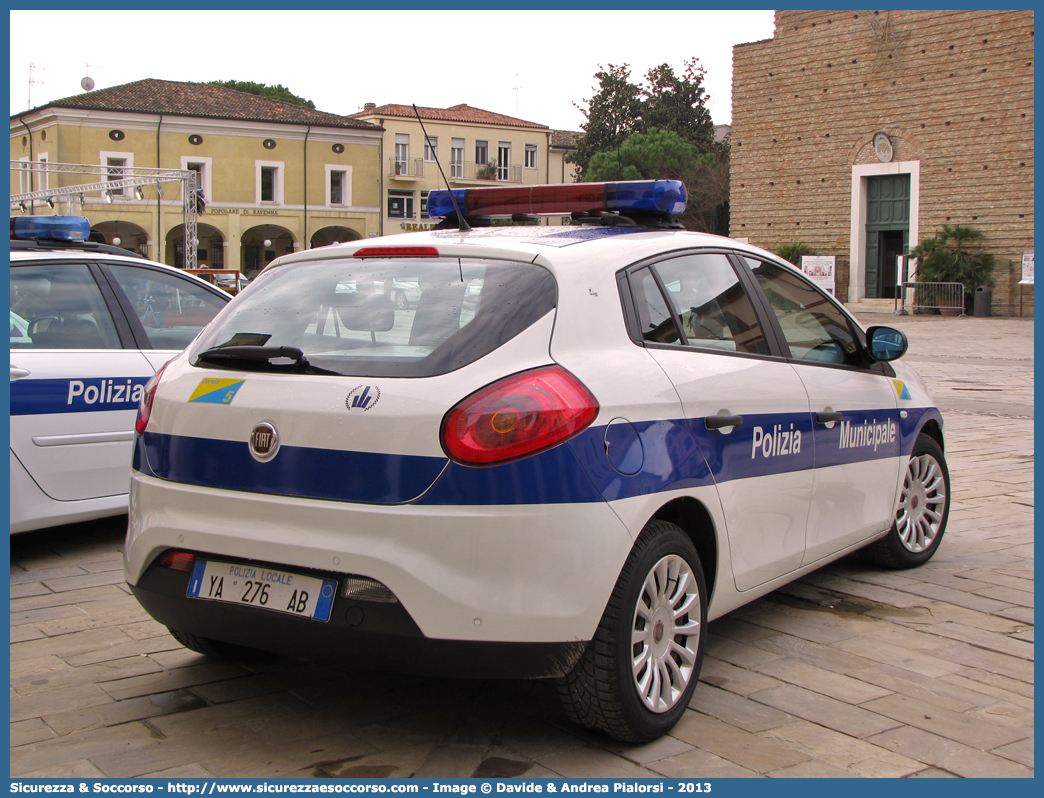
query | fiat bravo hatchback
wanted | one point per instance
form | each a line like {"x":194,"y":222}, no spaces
{"x":574,"y":449}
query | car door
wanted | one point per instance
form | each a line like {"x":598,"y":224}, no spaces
{"x":74,"y":384}
{"x":854,"y":402}
{"x":745,"y":404}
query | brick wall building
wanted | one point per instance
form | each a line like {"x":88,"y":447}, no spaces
{"x":952,"y":92}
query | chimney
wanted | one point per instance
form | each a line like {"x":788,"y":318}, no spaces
{"x":369,"y":106}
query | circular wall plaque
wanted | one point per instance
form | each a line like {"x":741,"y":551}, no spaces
{"x":338,"y":148}
{"x":269,"y":144}
{"x":195,"y":139}
{"x":117,"y":135}
{"x":883,"y":147}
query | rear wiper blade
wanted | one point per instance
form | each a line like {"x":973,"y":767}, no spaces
{"x":260,"y":354}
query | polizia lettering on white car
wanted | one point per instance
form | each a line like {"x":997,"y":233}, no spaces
{"x":90,"y":324}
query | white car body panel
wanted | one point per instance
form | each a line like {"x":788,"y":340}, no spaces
{"x":81,"y":455}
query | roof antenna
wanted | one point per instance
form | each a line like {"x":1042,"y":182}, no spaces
{"x":464,"y":226}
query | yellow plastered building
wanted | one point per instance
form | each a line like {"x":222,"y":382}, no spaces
{"x":475,"y":148}
{"x":276,"y":177}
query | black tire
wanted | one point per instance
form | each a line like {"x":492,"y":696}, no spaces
{"x":602,"y":691}
{"x":216,"y":649}
{"x":924,"y":507}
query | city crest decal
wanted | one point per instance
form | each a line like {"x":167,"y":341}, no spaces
{"x":216,"y":392}
{"x":901,"y":390}
{"x":363,"y":398}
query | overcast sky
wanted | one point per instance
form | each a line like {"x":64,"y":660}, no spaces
{"x":530,"y":64}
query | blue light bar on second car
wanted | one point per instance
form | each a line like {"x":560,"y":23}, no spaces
{"x":628,"y":197}
{"x":50,"y":228}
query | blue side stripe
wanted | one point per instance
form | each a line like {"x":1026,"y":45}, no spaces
{"x":86,"y":395}
{"x":674,"y":455}
{"x":295,"y":471}
{"x":551,"y":477}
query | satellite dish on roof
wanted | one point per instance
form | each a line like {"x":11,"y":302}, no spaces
{"x":87,"y":83}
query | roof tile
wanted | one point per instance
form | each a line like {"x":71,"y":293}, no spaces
{"x":455,"y":113}
{"x":151,"y":96}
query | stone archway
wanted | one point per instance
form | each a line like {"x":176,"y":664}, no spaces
{"x":121,"y":234}
{"x":210,"y":252}
{"x":333,"y":235}
{"x":262,"y":244}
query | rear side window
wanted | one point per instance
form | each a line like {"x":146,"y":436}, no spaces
{"x":387,"y":318}
{"x":59,"y":306}
{"x":702,"y":294}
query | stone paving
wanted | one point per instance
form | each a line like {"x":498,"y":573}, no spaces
{"x":849,"y":672}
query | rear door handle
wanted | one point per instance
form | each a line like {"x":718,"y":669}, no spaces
{"x":717,"y":422}
{"x":825,"y":417}
{"x":18,"y":373}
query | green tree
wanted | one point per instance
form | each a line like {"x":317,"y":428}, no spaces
{"x":658,"y":154}
{"x":665,"y":103}
{"x":611,"y":115}
{"x":665,"y":155}
{"x":678,"y":103}
{"x":277,"y":92}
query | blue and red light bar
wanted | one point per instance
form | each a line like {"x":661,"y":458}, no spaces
{"x":628,"y":197}
{"x":50,"y":228}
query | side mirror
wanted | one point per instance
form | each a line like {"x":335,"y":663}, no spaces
{"x":886,"y":343}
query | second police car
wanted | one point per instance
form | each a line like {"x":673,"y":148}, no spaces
{"x":90,"y":324}
{"x":627,"y":431}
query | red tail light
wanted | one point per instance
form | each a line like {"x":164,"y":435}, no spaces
{"x":177,"y":561}
{"x":518,"y":416}
{"x":145,"y":404}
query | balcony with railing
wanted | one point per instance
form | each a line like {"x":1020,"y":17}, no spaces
{"x":489,"y":172}
{"x":405,"y":168}
{"x":466,"y":172}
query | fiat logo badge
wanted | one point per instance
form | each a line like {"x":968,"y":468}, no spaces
{"x":264,"y":442}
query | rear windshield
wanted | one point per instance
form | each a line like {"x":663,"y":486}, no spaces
{"x":385,"y":318}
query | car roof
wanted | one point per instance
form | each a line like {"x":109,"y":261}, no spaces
{"x":21,"y":257}
{"x":544,"y":244}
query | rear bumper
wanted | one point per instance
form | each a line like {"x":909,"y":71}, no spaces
{"x":491,"y":574}
{"x":359,"y":634}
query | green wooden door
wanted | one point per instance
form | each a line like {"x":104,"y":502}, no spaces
{"x":887,"y":210}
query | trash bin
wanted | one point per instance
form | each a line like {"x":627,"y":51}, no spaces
{"x":983,"y":301}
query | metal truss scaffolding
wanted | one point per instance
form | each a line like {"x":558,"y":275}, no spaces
{"x":112,"y":178}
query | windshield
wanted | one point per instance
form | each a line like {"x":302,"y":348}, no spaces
{"x":383,"y":318}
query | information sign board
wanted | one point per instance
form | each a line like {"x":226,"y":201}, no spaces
{"x":821,"y":269}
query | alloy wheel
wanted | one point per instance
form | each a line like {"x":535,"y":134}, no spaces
{"x":665,"y":633}
{"x":922,"y":503}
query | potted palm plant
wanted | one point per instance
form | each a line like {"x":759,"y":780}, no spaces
{"x":487,"y":172}
{"x":953,"y":255}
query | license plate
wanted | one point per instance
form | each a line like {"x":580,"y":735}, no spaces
{"x":265,"y":588}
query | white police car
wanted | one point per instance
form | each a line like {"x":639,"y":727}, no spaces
{"x":629,"y":430}
{"x":89,"y":327}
